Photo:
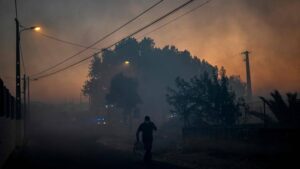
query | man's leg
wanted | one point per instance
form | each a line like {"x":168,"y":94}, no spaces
{"x":148,"y":154}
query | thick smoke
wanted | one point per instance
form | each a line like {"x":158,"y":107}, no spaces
{"x":218,"y":33}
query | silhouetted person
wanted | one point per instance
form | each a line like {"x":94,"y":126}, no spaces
{"x":147,"y":128}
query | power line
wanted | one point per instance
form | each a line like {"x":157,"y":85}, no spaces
{"x":132,"y":34}
{"x":101,"y":39}
{"x":65,"y":41}
{"x":173,"y":20}
{"x":65,"y":68}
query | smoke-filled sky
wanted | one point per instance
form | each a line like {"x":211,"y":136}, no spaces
{"x":217,"y":32}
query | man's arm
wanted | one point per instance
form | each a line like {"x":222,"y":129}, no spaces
{"x":154,"y":127}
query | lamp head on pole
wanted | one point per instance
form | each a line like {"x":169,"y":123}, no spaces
{"x":36,"y":28}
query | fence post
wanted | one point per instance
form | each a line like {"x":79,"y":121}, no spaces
{"x":6,"y":102}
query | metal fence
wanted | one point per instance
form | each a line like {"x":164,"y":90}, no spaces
{"x":7,"y":102}
{"x":257,"y":122}
{"x":257,"y":113}
{"x":250,"y":132}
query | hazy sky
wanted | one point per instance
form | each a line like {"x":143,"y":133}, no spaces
{"x":218,"y":33}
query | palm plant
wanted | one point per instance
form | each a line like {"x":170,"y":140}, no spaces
{"x":287,"y":114}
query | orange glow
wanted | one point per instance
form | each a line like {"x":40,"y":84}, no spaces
{"x":37,"y":28}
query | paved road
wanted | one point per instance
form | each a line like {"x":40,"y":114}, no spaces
{"x":67,"y":150}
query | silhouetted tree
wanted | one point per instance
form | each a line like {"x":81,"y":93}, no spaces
{"x":154,"y":68}
{"x":92,"y":86}
{"x":181,"y":100}
{"x":287,"y":114}
{"x":123,"y":94}
{"x":229,"y":108}
{"x":207,"y":98}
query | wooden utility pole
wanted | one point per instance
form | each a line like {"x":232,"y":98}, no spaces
{"x":249,"y":87}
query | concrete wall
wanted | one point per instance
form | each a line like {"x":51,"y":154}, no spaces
{"x":11,"y":130}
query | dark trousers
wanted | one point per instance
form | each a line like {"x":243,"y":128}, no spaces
{"x":148,"y":147}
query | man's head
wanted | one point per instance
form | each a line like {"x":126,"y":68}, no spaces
{"x":147,"y":118}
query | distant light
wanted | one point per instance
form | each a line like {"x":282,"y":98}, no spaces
{"x":127,"y":62}
{"x":37,"y":28}
{"x":104,"y":123}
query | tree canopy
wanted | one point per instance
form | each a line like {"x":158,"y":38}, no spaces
{"x":123,"y":93}
{"x":206,"y":98}
{"x":154,"y":68}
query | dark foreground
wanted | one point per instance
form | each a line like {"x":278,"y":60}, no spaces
{"x":63,"y":147}
{"x":62,"y":150}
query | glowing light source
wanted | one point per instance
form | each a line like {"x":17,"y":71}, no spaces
{"x":37,"y":28}
{"x":126,"y":62}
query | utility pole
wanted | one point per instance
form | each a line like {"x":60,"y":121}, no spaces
{"x":19,"y":117}
{"x":25,"y":117}
{"x":18,"y":72}
{"x":19,"y":120}
{"x":24,"y":94}
{"x":249,"y":88}
{"x":19,"y":128}
{"x":28,"y":114}
{"x":28,"y":95}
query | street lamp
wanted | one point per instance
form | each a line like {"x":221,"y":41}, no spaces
{"x":19,"y":29}
{"x":36,"y":28}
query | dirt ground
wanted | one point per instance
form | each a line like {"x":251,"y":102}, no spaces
{"x":206,"y":153}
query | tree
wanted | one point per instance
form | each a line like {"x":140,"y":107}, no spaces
{"x":154,"y":68}
{"x":287,"y":114}
{"x":229,"y":109}
{"x":94,"y":74}
{"x":92,"y":87}
{"x":180,"y":100}
{"x":123,"y":93}
{"x":206,"y":97}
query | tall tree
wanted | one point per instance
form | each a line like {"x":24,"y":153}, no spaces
{"x":181,"y":100}
{"x":93,"y":86}
{"x":155,"y":69}
{"x":123,"y":94}
{"x":207,"y":98}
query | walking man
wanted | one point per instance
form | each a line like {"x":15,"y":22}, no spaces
{"x":147,"y":128}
